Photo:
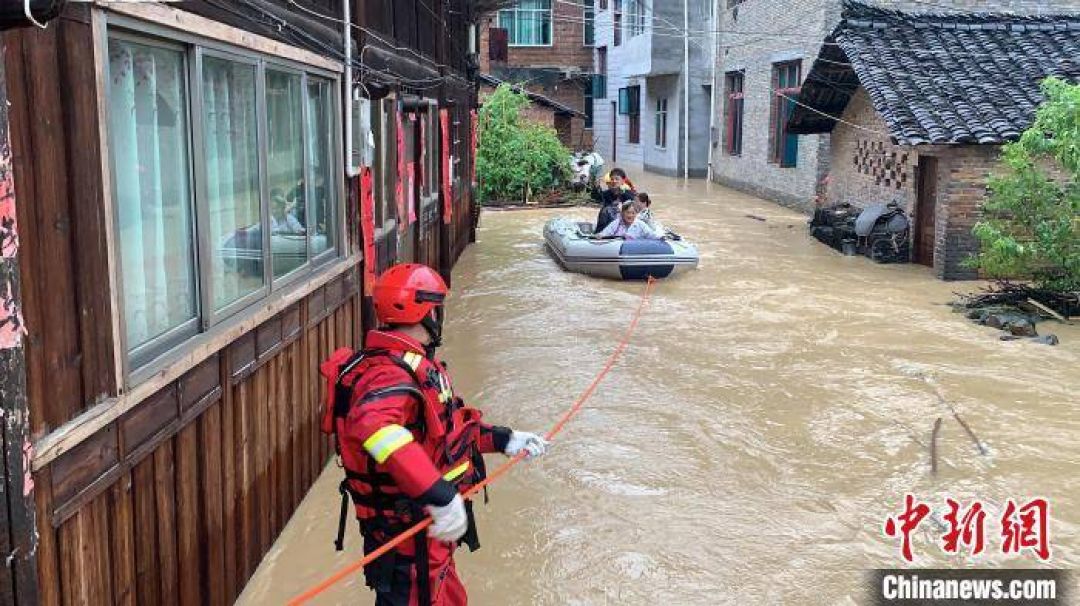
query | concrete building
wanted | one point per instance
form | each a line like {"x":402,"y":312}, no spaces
{"x":766,"y":48}
{"x":545,"y":46}
{"x":917,"y":113}
{"x":642,"y":81}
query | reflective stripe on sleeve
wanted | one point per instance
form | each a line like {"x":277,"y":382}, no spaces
{"x":385,"y":442}
{"x":413,"y":359}
{"x":456,"y":472}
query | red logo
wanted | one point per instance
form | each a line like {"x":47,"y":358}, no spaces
{"x":1023,"y":527}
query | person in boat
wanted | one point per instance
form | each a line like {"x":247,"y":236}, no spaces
{"x":629,"y":226}
{"x":408,"y":444}
{"x":282,"y":216}
{"x":617,"y":192}
{"x":644,"y":207}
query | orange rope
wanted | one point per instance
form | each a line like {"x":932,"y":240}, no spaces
{"x":570,"y":414}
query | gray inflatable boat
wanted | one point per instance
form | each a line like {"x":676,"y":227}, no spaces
{"x":571,"y":244}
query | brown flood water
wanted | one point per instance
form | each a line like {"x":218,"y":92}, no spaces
{"x":753,"y":439}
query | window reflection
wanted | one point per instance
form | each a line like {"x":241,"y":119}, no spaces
{"x":232,"y":179}
{"x":285,"y":166}
{"x":320,"y":165}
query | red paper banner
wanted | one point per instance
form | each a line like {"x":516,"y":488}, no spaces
{"x":475,"y":122}
{"x":444,"y":152}
{"x":367,"y":228}
{"x":420,"y":174}
{"x":410,"y":174}
{"x":399,"y":187}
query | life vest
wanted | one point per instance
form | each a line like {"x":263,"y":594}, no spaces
{"x":447,"y":430}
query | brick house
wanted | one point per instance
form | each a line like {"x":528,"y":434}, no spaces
{"x":918,"y":106}
{"x":542,"y":110}
{"x":546,"y":46}
{"x":752,"y":149}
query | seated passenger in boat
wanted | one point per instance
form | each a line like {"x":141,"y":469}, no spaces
{"x":628,"y":226}
{"x":644,"y":208}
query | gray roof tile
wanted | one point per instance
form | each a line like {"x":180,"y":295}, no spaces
{"x":936,"y":78}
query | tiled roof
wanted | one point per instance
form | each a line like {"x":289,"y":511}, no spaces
{"x":537,"y":98}
{"x":936,"y":78}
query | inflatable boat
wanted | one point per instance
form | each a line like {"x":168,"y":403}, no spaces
{"x":572,"y":244}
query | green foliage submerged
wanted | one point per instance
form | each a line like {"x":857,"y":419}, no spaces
{"x":1031,"y":223}
{"x":518,"y":160}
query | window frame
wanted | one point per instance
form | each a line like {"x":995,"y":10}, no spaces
{"x":588,"y":16}
{"x":778,"y":132}
{"x":617,"y":23}
{"x":634,"y":18}
{"x":661,"y":124}
{"x":633,"y":112}
{"x":141,"y":364}
{"x":600,"y":81}
{"x":211,"y":316}
{"x":550,"y":10}
{"x":190,"y":328}
{"x":734,"y":115}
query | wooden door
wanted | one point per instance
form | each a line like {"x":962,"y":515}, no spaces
{"x":926,"y":210}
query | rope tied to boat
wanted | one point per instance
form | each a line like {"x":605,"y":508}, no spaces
{"x":576,"y":408}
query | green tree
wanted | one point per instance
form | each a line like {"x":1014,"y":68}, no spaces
{"x":518,"y":159}
{"x":1031,"y":222}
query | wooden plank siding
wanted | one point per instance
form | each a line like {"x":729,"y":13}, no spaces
{"x":191,"y":509}
{"x":176,"y":498}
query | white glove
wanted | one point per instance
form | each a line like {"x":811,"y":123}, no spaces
{"x":449,"y":521}
{"x":533,"y":445}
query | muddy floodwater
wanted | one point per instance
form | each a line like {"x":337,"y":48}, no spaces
{"x":747,"y":449}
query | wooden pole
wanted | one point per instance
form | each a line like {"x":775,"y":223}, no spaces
{"x":18,"y":577}
{"x":933,"y":445}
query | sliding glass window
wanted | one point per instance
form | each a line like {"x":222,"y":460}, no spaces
{"x":285,"y":171}
{"x":231,"y":160}
{"x":226,"y":180}
{"x":320,"y":190}
{"x":148,"y":123}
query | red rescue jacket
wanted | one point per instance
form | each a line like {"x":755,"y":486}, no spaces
{"x":404,"y":438}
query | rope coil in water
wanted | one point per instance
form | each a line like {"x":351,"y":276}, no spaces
{"x":505,"y":467}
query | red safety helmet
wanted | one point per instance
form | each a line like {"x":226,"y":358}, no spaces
{"x":407,"y":294}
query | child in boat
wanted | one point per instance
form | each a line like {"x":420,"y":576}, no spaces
{"x":617,"y":192}
{"x":628,"y":226}
{"x":644,"y":208}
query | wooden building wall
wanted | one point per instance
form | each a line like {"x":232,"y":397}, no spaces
{"x":177,"y":499}
{"x":197,"y":482}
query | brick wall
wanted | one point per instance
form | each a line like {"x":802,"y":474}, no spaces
{"x":567,"y":55}
{"x":963,"y":177}
{"x":802,"y":25}
{"x":867,"y":168}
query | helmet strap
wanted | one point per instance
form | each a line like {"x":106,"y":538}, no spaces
{"x":433,"y":326}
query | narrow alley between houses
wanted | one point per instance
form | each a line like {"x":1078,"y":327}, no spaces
{"x":766,"y":419}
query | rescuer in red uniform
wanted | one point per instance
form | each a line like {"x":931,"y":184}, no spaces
{"x":408,"y":444}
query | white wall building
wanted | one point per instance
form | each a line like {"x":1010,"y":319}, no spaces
{"x":640,"y":102}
